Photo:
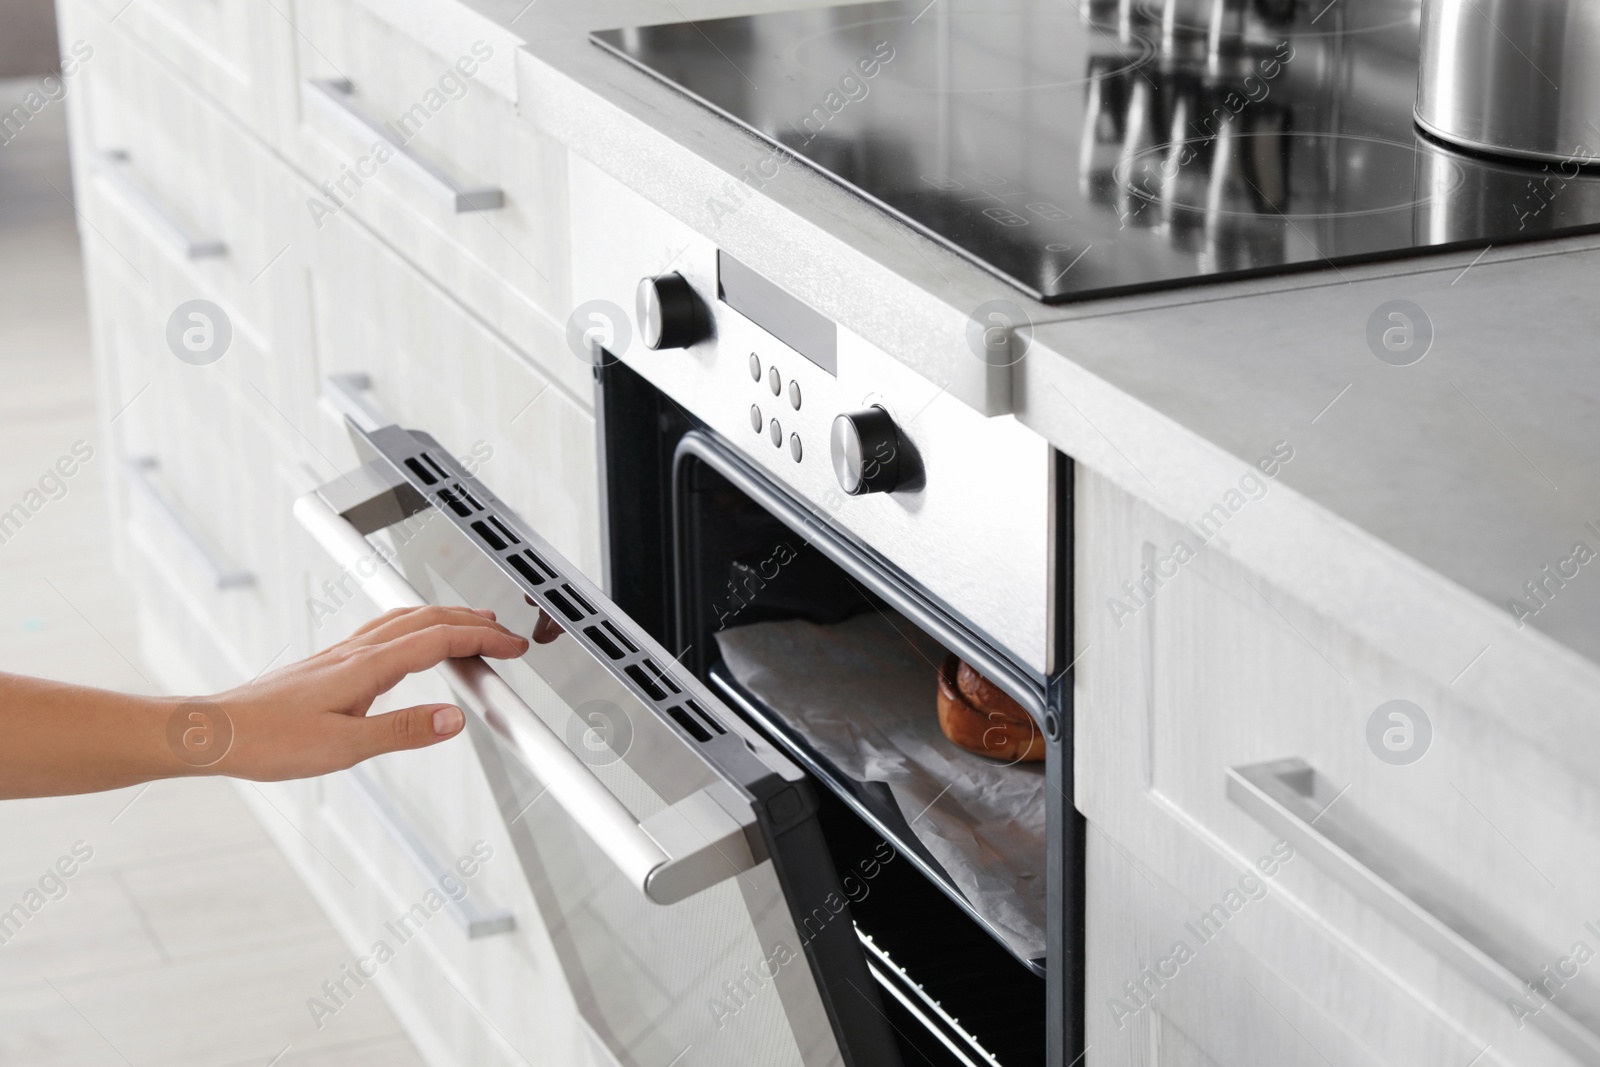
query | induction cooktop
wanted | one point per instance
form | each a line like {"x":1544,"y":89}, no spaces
{"x":1084,"y":148}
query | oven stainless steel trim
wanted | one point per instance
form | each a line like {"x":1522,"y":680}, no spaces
{"x":865,"y":565}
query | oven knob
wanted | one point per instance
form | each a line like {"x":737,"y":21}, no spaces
{"x":669,"y":312}
{"x":866,"y":451}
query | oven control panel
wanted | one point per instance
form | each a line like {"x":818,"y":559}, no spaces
{"x":960,"y":502}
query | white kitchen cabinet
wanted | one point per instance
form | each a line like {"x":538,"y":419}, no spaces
{"x":232,"y":51}
{"x":183,"y":197}
{"x":435,"y":367}
{"x":414,"y":126}
{"x":192,"y":189}
{"x":202,"y":482}
{"x":1216,"y":670}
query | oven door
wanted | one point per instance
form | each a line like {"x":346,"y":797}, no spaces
{"x":675,"y":857}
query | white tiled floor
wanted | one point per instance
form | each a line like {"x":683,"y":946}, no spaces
{"x":184,"y":939}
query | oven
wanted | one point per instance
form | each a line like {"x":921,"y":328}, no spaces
{"x":834,"y":653}
{"x":721,"y":763}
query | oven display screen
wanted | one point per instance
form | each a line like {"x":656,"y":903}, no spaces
{"x":797,"y":325}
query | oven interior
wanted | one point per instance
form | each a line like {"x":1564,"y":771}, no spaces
{"x":809,"y":653}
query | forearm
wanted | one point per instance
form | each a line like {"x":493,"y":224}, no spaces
{"x":305,"y":719}
{"x":63,"y":738}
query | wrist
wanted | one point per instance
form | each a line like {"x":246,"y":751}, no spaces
{"x":195,"y":734}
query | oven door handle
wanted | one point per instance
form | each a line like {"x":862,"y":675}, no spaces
{"x":692,"y":845}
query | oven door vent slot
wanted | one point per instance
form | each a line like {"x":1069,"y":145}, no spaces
{"x":430,"y":461}
{"x":648,"y":684}
{"x":621,"y":637}
{"x":526,"y":569}
{"x":505,"y":531}
{"x":685,"y":720}
{"x":710,"y":719}
{"x":565,"y":606}
{"x":577,"y":599}
{"x":492,"y":539}
{"x":420,"y":471}
{"x":455,"y":503}
{"x":598,"y":636}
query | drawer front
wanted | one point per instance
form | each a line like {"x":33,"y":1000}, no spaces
{"x":419,"y":146}
{"x":497,"y":997}
{"x":433,"y":363}
{"x":204,"y":483}
{"x":236,"y":52}
{"x":1207,"y":671}
{"x":186,"y":179}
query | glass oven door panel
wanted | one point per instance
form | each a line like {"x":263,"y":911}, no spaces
{"x":653,"y":982}
{"x":660,"y":959}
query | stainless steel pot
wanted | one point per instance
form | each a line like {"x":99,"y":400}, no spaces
{"x":1512,"y":77}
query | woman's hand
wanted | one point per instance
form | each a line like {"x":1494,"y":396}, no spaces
{"x":311,"y":717}
{"x":305,"y":719}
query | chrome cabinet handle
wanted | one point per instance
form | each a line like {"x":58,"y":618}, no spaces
{"x":337,"y":96}
{"x":692,"y":845}
{"x":174,"y":230}
{"x":474,"y":921}
{"x":223,"y":575}
{"x":348,"y":396}
{"x":1288,"y":797}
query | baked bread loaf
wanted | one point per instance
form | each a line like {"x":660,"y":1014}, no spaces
{"x":977,"y":716}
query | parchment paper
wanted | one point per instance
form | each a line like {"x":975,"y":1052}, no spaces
{"x":864,"y":692}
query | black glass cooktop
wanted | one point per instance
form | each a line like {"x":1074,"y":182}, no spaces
{"x":1081,"y":148}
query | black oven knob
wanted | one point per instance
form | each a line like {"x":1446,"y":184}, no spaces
{"x":866,"y":451}
{"x":669,"y":312}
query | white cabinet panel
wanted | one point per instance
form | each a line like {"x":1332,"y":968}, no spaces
{"x":403,"y":99}
{"x":435,"y":366}
{"x":233,"y":51}
{"x":1204,"y":669}
{"x":172,"y":185}
{"x":202,"y":490}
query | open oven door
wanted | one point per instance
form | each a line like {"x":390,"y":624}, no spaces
{"x":675,"y":857}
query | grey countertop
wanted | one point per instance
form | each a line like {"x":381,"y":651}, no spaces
{"x":1420,"y":499}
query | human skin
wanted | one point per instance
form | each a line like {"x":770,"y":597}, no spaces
{"x":305,"y":719}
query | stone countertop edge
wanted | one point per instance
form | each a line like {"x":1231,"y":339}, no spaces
{"x":912,"y":297}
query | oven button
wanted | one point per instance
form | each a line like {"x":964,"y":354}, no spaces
{"x":669,"y":312}
{"x":866,"y":451}
{"x":755,"y":418}
{"x":794,"y":395}
{"x":776,"y":432}
{"x":755,"y":367}
{"x":774,"y":381}
{"x":794,"y":447}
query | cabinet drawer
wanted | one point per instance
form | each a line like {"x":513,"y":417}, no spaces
{"x":203,"y":486}
{"x":183,"y":177}
{"x":497,"y":998}
{"x":419,"y":146}
{"x":432,"y":363}
{"x":234,"y":51}
{"x":1211,"y":674}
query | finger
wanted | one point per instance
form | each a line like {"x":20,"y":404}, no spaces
{"x":381,"y":667}
{"x":397,"y":624}
{"x":416,"y":727}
